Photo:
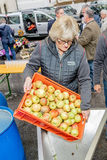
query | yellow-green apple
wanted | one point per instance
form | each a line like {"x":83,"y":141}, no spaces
{"x":35,"y":99}
{"x":71,"y":115}
{"x":68,"y":130}
{"x":74,"y":132}
{"x":51,"y":89}
{"x":64,"y":115}
{"x":51,"y":97}
{"x":28,"y":109}
{"x":77,"y":118}
{"x":43,"y":101}
{"x":36,"y":107}
{"x":57,"y":91}
{"x":72,"y":98}
{"x":38,"y":84}
{"x":52,"y":105}
{"x":63,"y":126}
{"x":44,"y":87}
{"x":60,"y":96}
{"x":74,"y":111}
{"x":66,"y":101}
{"x":28,"y":102}
{"x":71,"y":105}
{"x":60,"y":110}
{"x":37,"y":114}
{"x":66,"y":95}
{"x":72,"y":121}
{"x":66,"y":107}
{"x":56,"y":122}
{"x":68,"y":121}
{"x":60,"y":104}
{"x":77,"y":103}
{"x":34,"y":85}
{"x":40,"y":93}
{"x":78,"y":110}
{"x":32,"y":92}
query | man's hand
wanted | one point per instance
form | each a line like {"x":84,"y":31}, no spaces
{"x":27,"y":84}
{"x":86,"y":114}
{"x":97,"y":88}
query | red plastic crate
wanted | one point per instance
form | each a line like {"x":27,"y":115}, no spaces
{"x":26,"y":116}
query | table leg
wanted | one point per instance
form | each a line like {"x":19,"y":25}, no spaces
{"x":8,"y":83}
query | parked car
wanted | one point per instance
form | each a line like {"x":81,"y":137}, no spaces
{"x":33,"y":22}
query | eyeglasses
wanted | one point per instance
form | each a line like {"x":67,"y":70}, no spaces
{"x":62,"y":42}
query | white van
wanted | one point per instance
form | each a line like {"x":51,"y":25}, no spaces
{"x":34,"y":23}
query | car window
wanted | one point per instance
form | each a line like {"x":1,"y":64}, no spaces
{"x":13,"y":20}
{"x":42,"y":18}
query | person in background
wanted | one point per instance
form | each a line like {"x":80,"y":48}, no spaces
{"x":103,"y":20}
{"x":89,"y":38}
{"x":59,"y":11}
{"x":100,"y":63}
{"x":63,"y":60}
{"x":6,"y":34}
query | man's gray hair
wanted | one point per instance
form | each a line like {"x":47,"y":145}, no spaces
{"x":103,"y":11}
{"x":90,"y":13}
{"x":2,"y":20}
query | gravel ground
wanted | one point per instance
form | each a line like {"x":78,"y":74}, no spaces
{"x":28,"y":131}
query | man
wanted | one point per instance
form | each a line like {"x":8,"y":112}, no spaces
{"x":100,"y":63}
{"x":104,"y":20}
{"x":89,"y":38}
{"x":59,"y":12}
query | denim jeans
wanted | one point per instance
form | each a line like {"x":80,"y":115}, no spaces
{"x":90,"y":62}
{"x":6,"y":48}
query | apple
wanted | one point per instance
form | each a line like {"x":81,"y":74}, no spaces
{"x":54,"y":113}
{"x":60,"y":96}
{"x":28,"y":109}
{"x":44,"y":87}
{"x":28,"y":102}
{"x":38,"y":84}
{"x":72,"y":98}
{"x":35,"y":99}
{"x":68,"y":130}
{"x":60,"y":110}
{"x":78,"y":110}
{"x":60,"y":119}
{"x":52,"y":105}
{"x":32,"y":91}
{"x":40,"y":93}
{"x":63,"y":126}
{"x":36,"y":107}
{"x":51,"y":97}
{"x":66,"y":101}
{"x":60,"y":104}
{"x":45,"y":109}
{"x":68,"y":121}
{"x":47,"y":94}
{"x":74,"y":126}
{"x":74,"y":111}
{"x":71,"y":105}
{"x":56,"y":122}
{"x":66,"y":107}
{"x":72,"y":121}
{"x":43,"y":101}
{"x":34,"y":85}
{"x":51,"y":89}
{"x":77,"y":118}
{"x":77,"y":103}
{"x":71,"y":115}
{"x":37,"y":114}
{"x":47,"y":117}
{"x":74,"y":132}
{"x":56,"y":100}
{"x":64,"y":115}
{"x":57,"y":91}
{"x":66,"y":95}
{"x":47,"y":102}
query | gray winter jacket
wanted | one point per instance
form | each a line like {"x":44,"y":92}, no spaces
{"x":100,"y":61}
{"x":70,"y":71}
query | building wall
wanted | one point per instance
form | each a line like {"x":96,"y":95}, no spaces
{"x":9,"y":5}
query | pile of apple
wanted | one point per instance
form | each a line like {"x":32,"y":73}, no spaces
{"x":58,"y":108}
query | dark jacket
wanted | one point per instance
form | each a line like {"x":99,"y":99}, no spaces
{"x":89,"y":38}
{"x":97,"y":19}
{"x":69,"y":71}
{"x":50,"y":24}
{"x":100,"y":61}
{"x":4,"y":31}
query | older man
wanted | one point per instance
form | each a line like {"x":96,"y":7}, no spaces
{"x":59,"y":11}
{"x":103,"y":14}
{"x":89,"y":38}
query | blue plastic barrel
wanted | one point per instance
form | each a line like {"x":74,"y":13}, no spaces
{"x":11,"y":147}
{"x":3,"y":101}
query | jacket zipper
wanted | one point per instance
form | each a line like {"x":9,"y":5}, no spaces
{"x":60,"y":72}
